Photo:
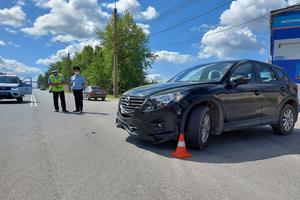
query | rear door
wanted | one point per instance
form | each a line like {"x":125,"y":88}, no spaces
{"x":27,"y":86}
{"x":273,"y":91}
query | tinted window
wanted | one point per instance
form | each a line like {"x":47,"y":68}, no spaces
{"x":9,"y":79}
{"x":245,"y":69}
{"x":96,"y":88}
{"x":265,"y":73}
{"x":281,"y":74}
{"x":212,"y":72}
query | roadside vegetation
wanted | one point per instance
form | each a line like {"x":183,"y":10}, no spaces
{"x":134,"y":58}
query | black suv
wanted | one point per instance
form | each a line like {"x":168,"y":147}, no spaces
{"x":210,"y":99}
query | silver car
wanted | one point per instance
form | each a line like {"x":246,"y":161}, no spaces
{"x":11,"y":87}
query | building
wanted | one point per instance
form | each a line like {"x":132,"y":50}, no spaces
{"x":285,"y":40}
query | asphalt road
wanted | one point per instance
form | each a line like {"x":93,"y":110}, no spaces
{"x":46,"y":155}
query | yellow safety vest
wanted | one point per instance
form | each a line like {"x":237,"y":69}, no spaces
{"x":58,"y":79}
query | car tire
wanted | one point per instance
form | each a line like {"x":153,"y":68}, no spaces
{"x":20,"y":99}
{"x":103,"y":99}
{"x":286,"y":121}
{"x":96,"y":99}
{"x":198,"y":128}
{"x":88,"y":98}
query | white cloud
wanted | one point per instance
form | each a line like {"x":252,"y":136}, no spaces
{"x":242,"y":39}
{"x":72,"y":49}
{"x":173,"y":57}
{"x":134,"y":7}
{"x":145,"y":28}
{"x":12,"y":16}
{"x":68,"y":19}
{"x":15,"y":67}
{"x":20,"y":2}
{"x":156,"y":77}
{"x":229,"y":44}
{"x":293,"y":2}
{"x":13,"y":44}
{"x":2,"y":43}
{"x":64,"y":38}
{"x":12,"y":31}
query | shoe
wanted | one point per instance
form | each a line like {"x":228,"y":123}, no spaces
{"x":56,"y":110}
{"x":66,"y":111}
{"x":81,"y":111}
{"x":76,"y":111}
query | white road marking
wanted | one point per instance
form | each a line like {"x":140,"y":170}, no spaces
{"x":33,"y":101}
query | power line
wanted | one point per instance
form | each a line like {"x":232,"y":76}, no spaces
{"x":217,"y":32}
{"x":172,"y":9}
{"x":191,"y":18}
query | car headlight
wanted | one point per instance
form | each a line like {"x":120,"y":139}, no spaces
{"x":14,"y":88}
{"x":160,"y":101}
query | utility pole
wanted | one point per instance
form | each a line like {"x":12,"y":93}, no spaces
{"x":115,"y":62}
{"x":69,"y":71}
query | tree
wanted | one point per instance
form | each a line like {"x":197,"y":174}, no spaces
{"x":134,"y":55}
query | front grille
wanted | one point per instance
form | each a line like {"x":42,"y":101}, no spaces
{"x":129,"y":104}
{"x":5,"y":88}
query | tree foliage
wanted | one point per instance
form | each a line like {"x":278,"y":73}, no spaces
{"x":134,"y":57}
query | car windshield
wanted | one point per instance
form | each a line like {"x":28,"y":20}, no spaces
{"x":212,"y":72}
{"x":9,"y":79}
{"x":96,"y":88}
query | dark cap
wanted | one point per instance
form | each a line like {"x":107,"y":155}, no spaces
{"x":76,"y":68}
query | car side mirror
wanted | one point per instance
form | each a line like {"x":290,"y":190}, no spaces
{"x":239,"y":79}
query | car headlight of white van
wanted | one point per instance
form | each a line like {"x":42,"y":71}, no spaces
{"x":162,"y":100}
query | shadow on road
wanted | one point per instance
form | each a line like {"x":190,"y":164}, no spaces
{"x":15,"y":102}
{"x":84,"y":113}
{"x":93,"y":100}
{"x":234,"y":147}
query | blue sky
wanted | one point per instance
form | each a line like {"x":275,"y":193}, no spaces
{"x":29,"y":30}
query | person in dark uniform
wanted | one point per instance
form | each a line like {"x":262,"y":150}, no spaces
{"x":56,"y":82}
{"x":78,"y":84}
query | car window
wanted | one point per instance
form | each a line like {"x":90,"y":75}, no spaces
{"x":96,"y":88}
{"x":245,"y":69}
{"x":9,"y":79}
{"x":207,"y":73}
{"x":281,"y":75}
{"x":265,"y":73}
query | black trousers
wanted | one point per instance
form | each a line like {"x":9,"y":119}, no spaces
{"x":56,"y":95}
{"x":78,"y":99}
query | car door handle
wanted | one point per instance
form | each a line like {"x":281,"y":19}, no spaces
{"x":257,"y":93}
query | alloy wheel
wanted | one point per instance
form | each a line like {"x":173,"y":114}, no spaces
{"x":205,"y":128}
{"x":288,"y":119}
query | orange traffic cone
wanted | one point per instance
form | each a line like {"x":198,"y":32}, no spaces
{"x":181,"y":151}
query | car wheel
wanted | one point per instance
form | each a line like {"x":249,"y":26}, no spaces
{"x":103,"y":99}
{"x":198,"y":128}
{"x":89,"y":98}
{"x":20,"y":99}
{"x":286,"y":121}
{"x":96,"y":99}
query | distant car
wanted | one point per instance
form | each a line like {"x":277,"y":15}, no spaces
{"x":42,"y":88}
{"x":94,"y":92}
{"x":11,"y":87}
{"x":210,"y":99}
